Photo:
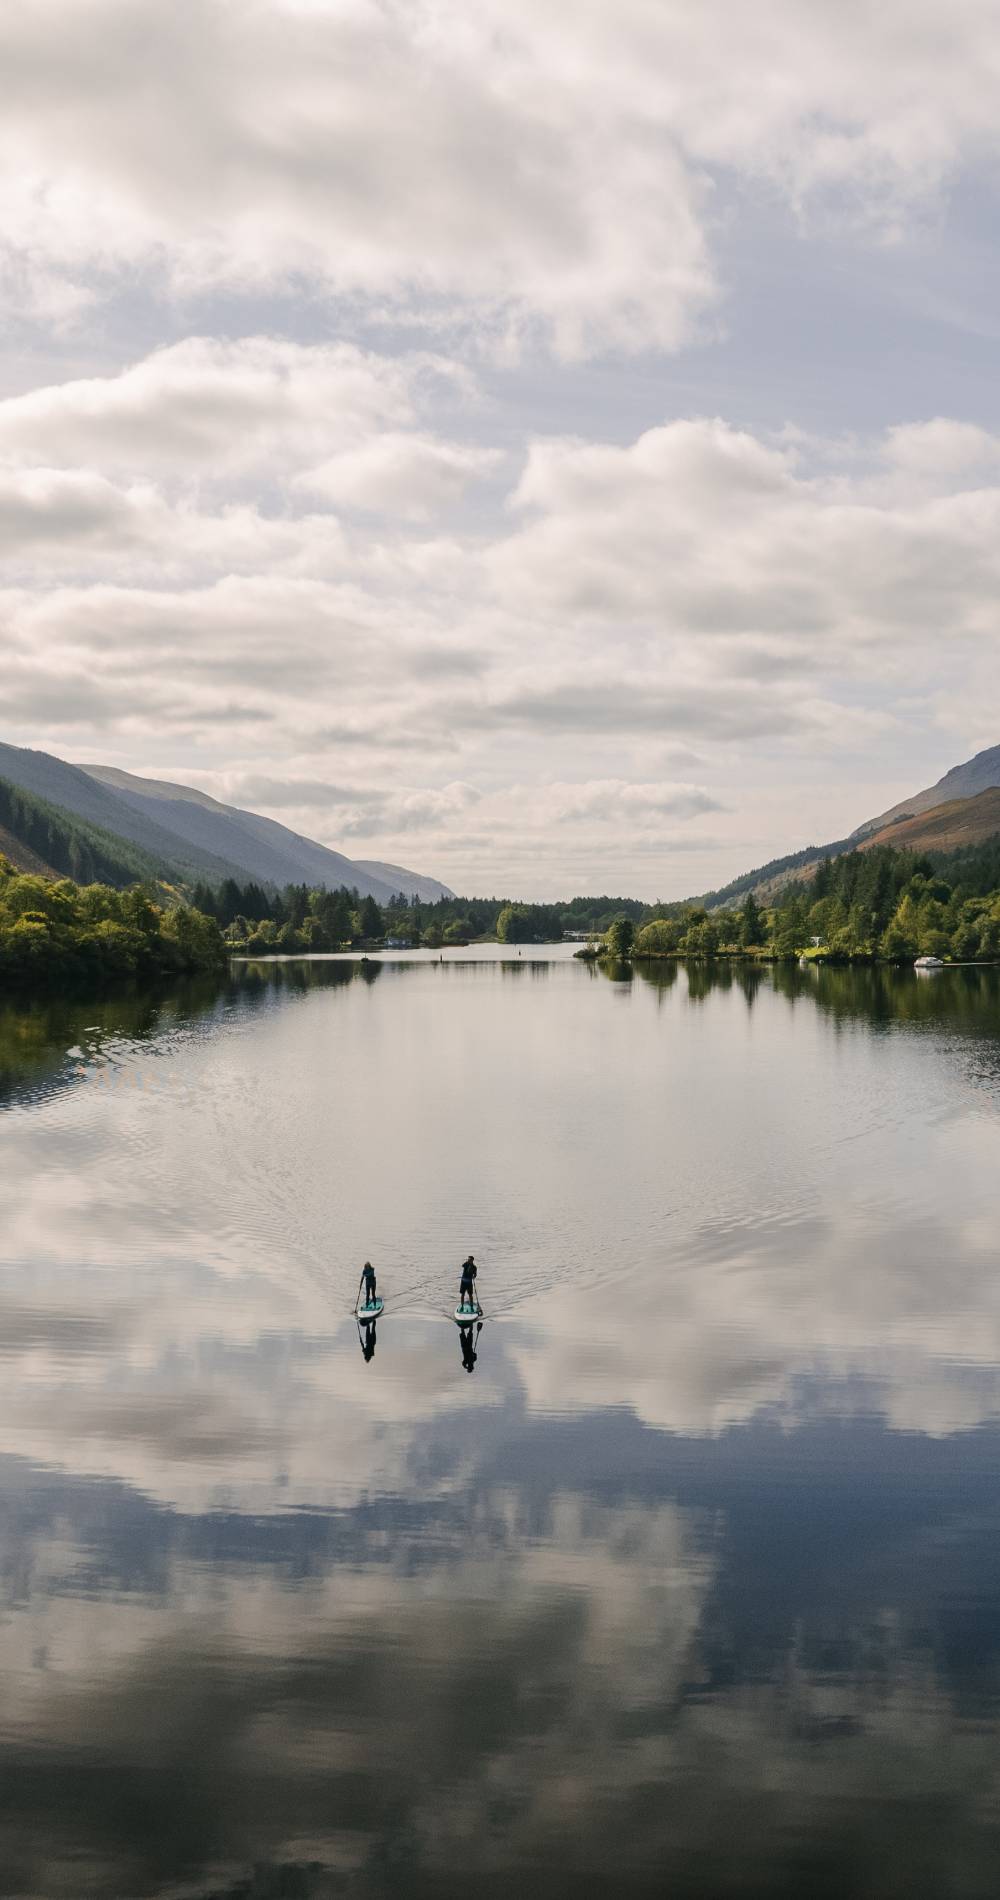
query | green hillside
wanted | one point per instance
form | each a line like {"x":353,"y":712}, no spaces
{"x":53,"y":839}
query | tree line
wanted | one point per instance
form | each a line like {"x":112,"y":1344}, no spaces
{"x":881,"y":905}
{"x":258,"y":921}
{"x":873,"y":905}
{"x":864,"y":906}
{"x":56,"y":933}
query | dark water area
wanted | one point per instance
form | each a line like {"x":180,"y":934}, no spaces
{"x":682,"y":1577}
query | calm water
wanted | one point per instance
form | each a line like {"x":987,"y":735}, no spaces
{"x":688,"y":1584}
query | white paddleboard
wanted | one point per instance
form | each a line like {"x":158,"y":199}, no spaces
{"x":467,"y":1315}
{"x":367,"y":1314}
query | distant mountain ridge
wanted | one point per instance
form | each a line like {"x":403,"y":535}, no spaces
{"x":66,"y":786}
{"x":944,"y":827}
{"x":963,"y":808}
{"x":190,"y":835}
{"x":978,"y":774}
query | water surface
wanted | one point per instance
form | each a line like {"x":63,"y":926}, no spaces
{"x":688,"y":1582}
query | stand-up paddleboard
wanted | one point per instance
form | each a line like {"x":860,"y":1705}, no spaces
{"x":467,"y":1315}
{"x":372,"y":1311}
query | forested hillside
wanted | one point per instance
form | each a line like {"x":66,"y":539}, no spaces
{"x":53,"y":841}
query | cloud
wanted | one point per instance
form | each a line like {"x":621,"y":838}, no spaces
{"x":613,"y":801}
{"x":355,"y":147}
{"x":700,"y":529}
{"x":303,"y":793}
{"x":223,"y":434}
{"x":156,"y":659}
{"x":208,"y":404}
{"x":698,"y":586}
{"x":400,"y":813}
{"x":408,"y":475}
{"x":83,"y":525}
{"x":943,"y":450}
{"x":643,"y":705}
{"x":555,"y":169}
{"x":46,"y":508}
{"x":540,"y":822}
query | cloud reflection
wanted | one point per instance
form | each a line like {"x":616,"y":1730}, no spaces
{"x":704,"y":1554}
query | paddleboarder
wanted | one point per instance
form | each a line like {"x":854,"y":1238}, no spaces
{"x":467,"y":1285}
{"x":368,"y":1282}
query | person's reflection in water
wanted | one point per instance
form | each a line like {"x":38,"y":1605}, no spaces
{"x":468,"y":1342}
{"x":366,"y":1335}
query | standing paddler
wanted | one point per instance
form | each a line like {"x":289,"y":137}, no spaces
{"x":368,"y":1282}
{"x":467,"y":1285}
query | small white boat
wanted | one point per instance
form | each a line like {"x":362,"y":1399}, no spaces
{"x":929,"y":963}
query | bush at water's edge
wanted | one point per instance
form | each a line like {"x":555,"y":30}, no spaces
{"x":57,"y":934}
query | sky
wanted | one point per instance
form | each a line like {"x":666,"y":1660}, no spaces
{"x":556,"y":448}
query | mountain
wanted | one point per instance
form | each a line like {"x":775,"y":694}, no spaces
{"x":977,"y":775}
{"x":259,"y":847}
{"x":962,"y":809}
{"x":427,"y":889}
{"x":767,"y":879}
{"x":82,"y":797}
{"x":42,"y":838}
{"x":190,"y":835}
{"x":22,"y":857}
{"x":946,"y":827}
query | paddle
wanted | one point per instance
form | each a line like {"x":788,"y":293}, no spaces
{"x":475,"y":1297}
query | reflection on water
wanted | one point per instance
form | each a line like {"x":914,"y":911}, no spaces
{"x":693,"y":1588}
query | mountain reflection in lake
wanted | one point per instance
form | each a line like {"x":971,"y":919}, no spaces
{"x":693,"y":1587}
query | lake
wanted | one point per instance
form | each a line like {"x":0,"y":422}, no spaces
{"x":683,"y":1578}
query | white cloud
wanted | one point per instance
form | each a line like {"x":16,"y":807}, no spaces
{"x":697,"y":586}
{"x":51,"y":508}
{"x":612,"y":801}
{"x":222,"y":433}
{"x":697,"y":529}
{"x":413,"y":810}
{"x":412,"y":476}
{"x":530,"y":165}
{"x":81,"y":524}
{"x":942,"y":450}
{"x":391,"y":152}
{"x":208,"y":405}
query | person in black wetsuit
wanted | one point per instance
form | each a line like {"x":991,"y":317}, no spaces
{"x":467,"y":1286}
{"x":368,"y":1277}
